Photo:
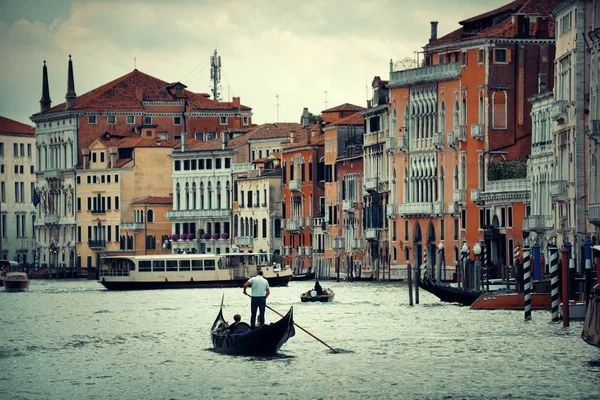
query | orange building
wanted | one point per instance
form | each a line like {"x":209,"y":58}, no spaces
{"x":303,"y":193}
{"x":464,"y":109}
{"x":150,"y":227}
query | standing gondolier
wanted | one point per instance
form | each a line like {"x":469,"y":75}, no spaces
{"x":260,"y":292}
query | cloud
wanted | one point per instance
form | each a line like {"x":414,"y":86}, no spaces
{"x":291,"y":49}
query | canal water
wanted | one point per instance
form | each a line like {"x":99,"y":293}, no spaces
{"x":75,"y":340}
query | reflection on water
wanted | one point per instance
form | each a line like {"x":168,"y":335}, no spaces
{"x":74,"y":339}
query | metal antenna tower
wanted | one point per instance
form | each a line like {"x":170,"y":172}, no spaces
{"x":326,"y":99}
{"x":277,"y":97}
{"x":215,"y":75}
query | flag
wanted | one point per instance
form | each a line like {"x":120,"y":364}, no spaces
{"x":35,"y":198}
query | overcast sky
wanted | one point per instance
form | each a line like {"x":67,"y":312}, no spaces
{"x":295,"y":49}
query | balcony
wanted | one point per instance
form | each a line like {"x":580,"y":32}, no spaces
{"x":460,"y":133}
{"x":538,"y":223}
{"x":182,"y":215}
{"x":308,"y":222}
{"x":348,"y":206}
{"x":242,"y":167}
{"x":338,"y":243}
{"x":559,"y":111}
{"x":477,"y":131}
{"x":390,"y":144}
{"x":507,"y":185}
{"x":308,"y":251}
{"x":558,"y":190}
{"x":390,"y":210}
{"x":475,"y":195}
{"x":452,"y":141}
{"x":293,"y":225}
{"x":319,"y":222}
{"x":246,"y":241}
{"x":97,"y":244}
{"x":132,"y":226}
{"x":285,"y":251}
{"x":420,"y":75}
{"x":98,"y":211}
{"x":452,"y":207}
{"x":438,"y":140}
{"x":51,"y":219}
{"x":295,"y":185}
{"x":371,"y":233}
{"x":299,"y":251}
{"x":414,"y":209}
{"x":357,"y":244}
{"x":594,"y":213}
{"x":371,"y":184}
{"x":595,"y":127}
{"x":403,"y":144}
{"x":459,"y":195}
{"x":52,"y":174}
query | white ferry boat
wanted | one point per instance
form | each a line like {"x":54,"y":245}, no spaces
{"x":179,"y":271}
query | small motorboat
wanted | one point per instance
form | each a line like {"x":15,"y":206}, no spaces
{"x":591,"y":327}
{"x":509,"y":300}
{"x":239,"y":339}
{"x":312,"y":296}
{"x":16,"y":282}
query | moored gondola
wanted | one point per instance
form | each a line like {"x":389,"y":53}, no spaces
{"x":239,"y":339}
{"x":447,"y":293}
{"x":591,"y":327}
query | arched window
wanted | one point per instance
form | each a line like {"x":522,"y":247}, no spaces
{"x":194,"y":196}
{"x":150,"y":216}
{"x":219,"y":195}
{"x":499,"y":111}
{"x":255,"y":235}
{"x":187,"y":196}
{"x":236,"y":221}
{"x":178,"y":196}
{"x":395,"y":253}
{"x":442,"y":127}
{"x":202,"y":196}
{"x":456,"y":115}
{"x":210,"y":203}
{"x":406,"y":254}
{"x":264,"y":228}
{"x":227,"y":195}
{"x":481,"y":109}
{"x":463,"y":112}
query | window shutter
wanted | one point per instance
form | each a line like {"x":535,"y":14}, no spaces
{"x":508,"y":56}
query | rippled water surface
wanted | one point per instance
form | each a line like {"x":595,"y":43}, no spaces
{"x":75,"y":340}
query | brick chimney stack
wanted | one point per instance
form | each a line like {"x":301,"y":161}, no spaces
{"x":305,"y":118}
{"x":45,"y":102}
{"x":71,"y":96}
{"x":434,"y":25}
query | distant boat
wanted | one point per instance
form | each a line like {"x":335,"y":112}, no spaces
{"x":5,"y":267}
{"x":307,"y":276}
{"x":178,"y":271}
{"x":311,"y":296}
{"x":266,"y":340}
{"x":591,"y":327}
{"x":508,"y":300}
{"x":16,"y":282}
{"x":448,"y":294}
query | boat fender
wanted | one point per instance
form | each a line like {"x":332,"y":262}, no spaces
{"x":278,"y":274}
{"x":191,"y":279}
{"x":166,"y":280}
{"x":313,"y":293}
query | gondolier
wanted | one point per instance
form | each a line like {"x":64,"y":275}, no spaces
{"x":260,"y":292}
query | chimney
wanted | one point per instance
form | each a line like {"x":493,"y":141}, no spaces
{"x":45,"y":102}
{"x":391,"y":66}
{"x":223,"y":140}
{"x":85,"y":152}
{"x":434,"y":25}
{"x":305,"y":118}
{"x":71,"y":96}
{"x":236,"y":102}
{"x":291,"y":137}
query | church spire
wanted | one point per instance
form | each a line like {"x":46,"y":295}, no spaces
{"x":71,"y":96}
{"x":45,"y":102}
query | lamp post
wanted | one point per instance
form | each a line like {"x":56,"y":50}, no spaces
{"x":463,"y":267}
{"x":440,"y":263}
{"x":477,"y":265}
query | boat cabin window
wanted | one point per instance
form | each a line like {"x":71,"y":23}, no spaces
{"x":184,"y":265}
{"x":118,"y":264}
{"x":196,"y":265}
{"x":209,"y":264}
{"x":158,"y":265}
{"x":171,"y":265}
{"x":144,"y":266}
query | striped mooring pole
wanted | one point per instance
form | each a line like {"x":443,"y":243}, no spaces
{"x":486,"y":268}
{"x":553,"y":250}
{"x":425,"y":265}
{"x":527,"y":280}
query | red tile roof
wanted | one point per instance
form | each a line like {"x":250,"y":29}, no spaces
{"x":354,"y":119}
{"x":152,"y":200}
{"x":129,"y":91}
{"x":344,"y":107}
{"x":505,"y":28}
{"x":11,"y":126}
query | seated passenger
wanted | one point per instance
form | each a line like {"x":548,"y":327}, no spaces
{"x":238,"y":327}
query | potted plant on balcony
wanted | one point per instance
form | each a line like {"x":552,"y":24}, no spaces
{"x":224,"y":235}
{"x":174,"y":236}
{"x":215,"y":236}
{"x":191,"y":236}
{"x":206,"y":236}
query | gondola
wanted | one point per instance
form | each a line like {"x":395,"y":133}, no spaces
{"x":591,"y":327}
{"x":447,"y":293}
{"x":265,"y":340}
{"x":308,"y":276}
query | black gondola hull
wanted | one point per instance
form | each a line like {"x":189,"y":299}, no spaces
{"x":449,"y":294}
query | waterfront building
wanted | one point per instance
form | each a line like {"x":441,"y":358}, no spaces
{"x":594,"y":125}
{"x":115,"y":172}
{"x":569,"y":189}
{"x":134,"y":104}
{"x":378,"y":142}
{"x":150,"y":227}
{"x":302,"y":161}
{"x":343,"y":140}
{"x":17,"y":180}
{"x":465,"y":134}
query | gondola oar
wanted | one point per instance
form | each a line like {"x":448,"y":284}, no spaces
{"x":281,"y":315}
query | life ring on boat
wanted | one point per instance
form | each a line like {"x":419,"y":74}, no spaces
{"x":313,"y":293}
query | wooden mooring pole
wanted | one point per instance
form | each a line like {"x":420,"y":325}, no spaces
{"x":564,"y":293}
{"x":410,"y":285}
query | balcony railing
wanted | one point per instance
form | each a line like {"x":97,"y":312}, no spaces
{"x":459,"y":195}
{"x":244,"y":240}
{"x":180,"y":215}
{"x":98,"y":211}
{"x":338,"y":243}
{"x":475,"y":195}
{"x":390,"y":144}
{"x":460,"y":132}
{"x":538,"y":223}
{"x":308,"y":251}
{"x":371,"y":233}
{"x":407,"y":209}
{"x":477,"y":131}
{"x":430,"y":73}
{"x":293,"y":225}
{"x":96,"y":244}
{"x":558,"y":112}
{"x":242,"y":167}
{"x":506,"y":185}
{"x":348,"y":205}
{"x":318,"y":222}
{"x":594,"y":213}
{"x":285,"y":251}
{"x":132,"y":226}
{"x":308,"y":222}
{"x":403,"y":144}
{"x":295,"y":185}
{"x":52,"y":174}
{"x":371,"y":184}
{"x":300,"y":250}
{"x":357,"y":244}
{"x":438,"y":139}
{"x":558,"y":190}
{"x":452,"y":140}
{"x":390,"y":210}
{"x":52,"y":219}
{"x":452,"y":207}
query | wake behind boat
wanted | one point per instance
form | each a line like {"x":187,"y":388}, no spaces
{"x":177,"y":271}
{"x":239,"y":339}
